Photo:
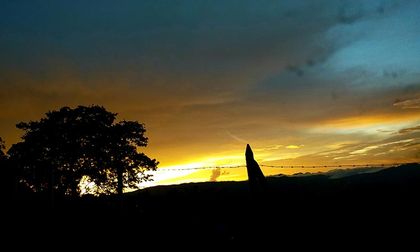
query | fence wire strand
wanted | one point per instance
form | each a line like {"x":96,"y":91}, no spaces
{"x":280,"y":166}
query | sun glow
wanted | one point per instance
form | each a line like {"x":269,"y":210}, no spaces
{"x":87,"y":186}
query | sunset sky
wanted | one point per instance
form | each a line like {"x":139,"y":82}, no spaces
{"x":303,"y":82}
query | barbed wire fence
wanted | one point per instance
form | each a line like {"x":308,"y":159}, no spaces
{"x":338,"y":166}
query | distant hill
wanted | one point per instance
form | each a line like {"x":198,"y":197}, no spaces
{"x":336,"y":173}
{"x":341,"y":173}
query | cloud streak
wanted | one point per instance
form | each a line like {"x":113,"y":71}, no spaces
{"x":409,"y":130}
{"x":408,"y":104}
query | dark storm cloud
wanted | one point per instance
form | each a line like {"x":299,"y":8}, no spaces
{"x":185,"y":53}
{"x":200,"y":52}
{"x":182,"y":36}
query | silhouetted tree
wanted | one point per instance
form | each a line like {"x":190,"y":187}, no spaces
{"x":127,"y":167}
{"x":4,"y":170}
{"x":3,"y":159}
{"x":8,"y":174}
{"x":69,"y":145}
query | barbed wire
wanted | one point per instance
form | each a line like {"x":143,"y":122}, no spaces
{"x":331,"y":166}
{"x":280,"y":166}
{"x":203,"y":168}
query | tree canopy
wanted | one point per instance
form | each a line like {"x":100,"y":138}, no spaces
{"x":82,"y":144}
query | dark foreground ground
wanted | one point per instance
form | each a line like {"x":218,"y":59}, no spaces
{"x":376,"y":208}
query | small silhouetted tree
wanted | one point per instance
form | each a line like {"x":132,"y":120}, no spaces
{"x":3,"y":159}
{"x":3,"y":167}
{"x":69,"y":145}
{"x":2,"y":147}
{"x":8,"y":174}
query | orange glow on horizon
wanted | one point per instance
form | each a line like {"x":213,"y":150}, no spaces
{"x":369,"y":120}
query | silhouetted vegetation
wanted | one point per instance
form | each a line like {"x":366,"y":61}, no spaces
{"x":7,"y":177}
{"x":381,"y":204}
{"x":70,"y":145}
{"x":2,"y":147}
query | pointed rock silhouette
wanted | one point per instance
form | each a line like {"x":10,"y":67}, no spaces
{"x":256,"y":179}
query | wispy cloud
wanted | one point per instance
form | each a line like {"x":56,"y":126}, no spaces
{"x":409,"y":130}
{"x":364,"y":150}
{"x":408,"y":104}
{"x":236,"y":137}
{"x":373,"y":147}
{"x":273,"y":147}
{"x":395,"y":148}
{"x":292,"y":146}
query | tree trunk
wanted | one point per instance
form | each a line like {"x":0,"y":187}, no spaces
{"x":120,"y":180}
{"x":120,"y":187}
{"x":51,"y":188}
